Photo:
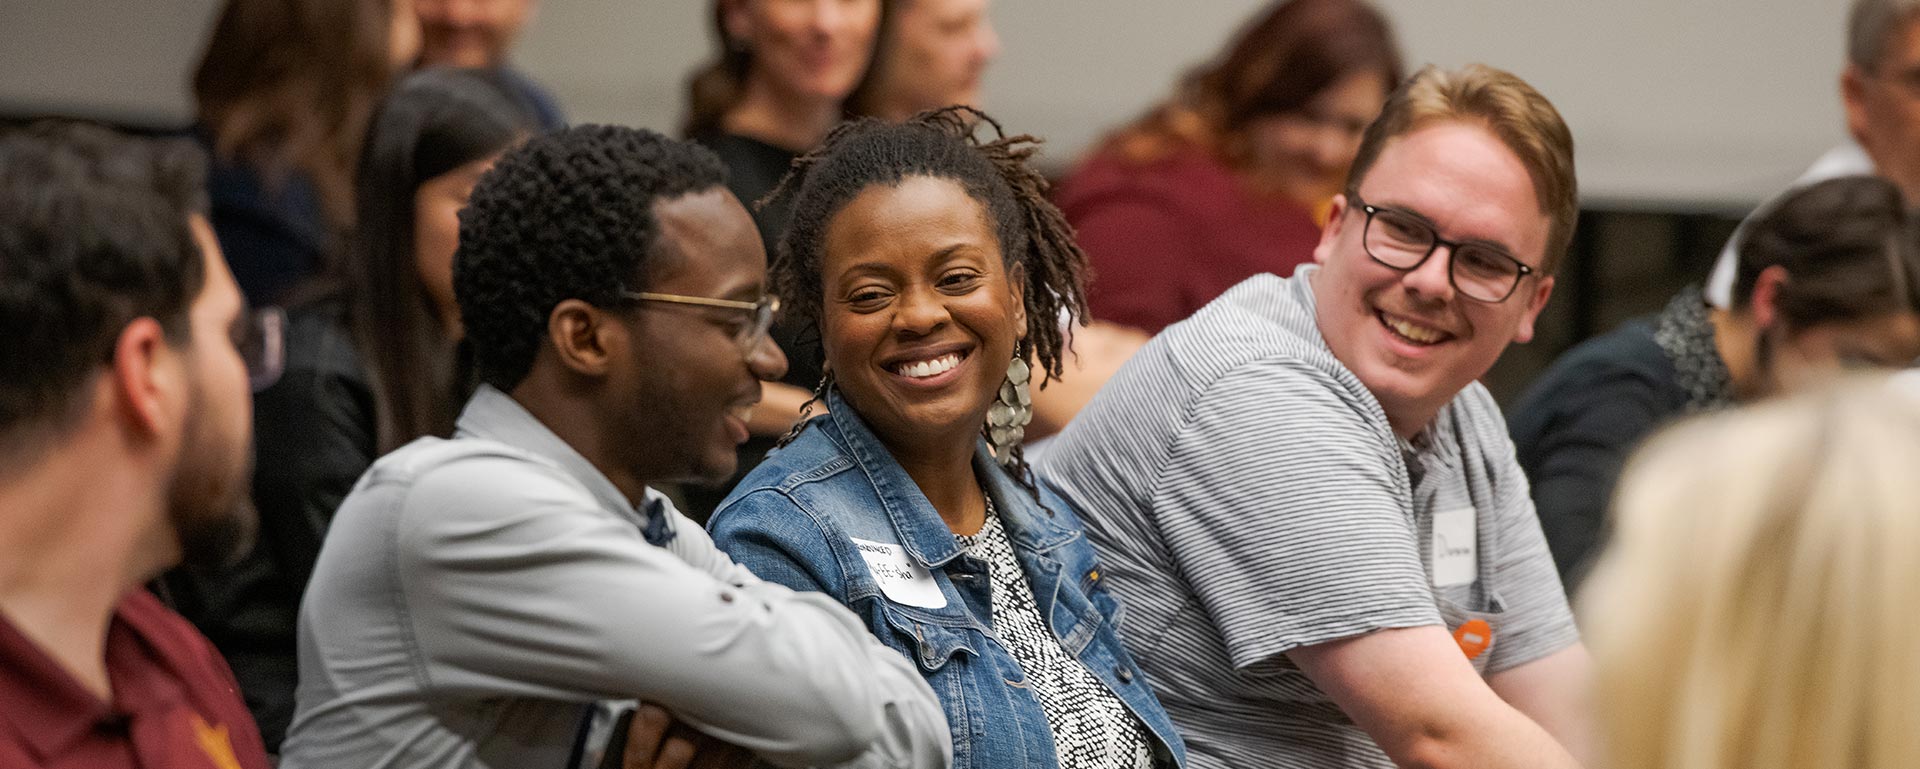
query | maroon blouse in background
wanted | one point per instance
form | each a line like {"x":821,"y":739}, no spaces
{"x":1167,"y":237}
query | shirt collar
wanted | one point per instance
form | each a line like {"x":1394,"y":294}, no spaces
{"x":48,"y":709}
{"x":493,"y":415}
{"x":923,"y":533}
{"x":51,"y":711}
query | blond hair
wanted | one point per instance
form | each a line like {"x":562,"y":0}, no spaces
{"x":1523,"y":120}
{"x":1759,"y":604}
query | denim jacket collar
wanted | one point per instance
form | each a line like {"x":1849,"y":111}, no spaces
{"x":923,"y":533}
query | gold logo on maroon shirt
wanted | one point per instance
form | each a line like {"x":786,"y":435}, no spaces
{"x":214,"y":742}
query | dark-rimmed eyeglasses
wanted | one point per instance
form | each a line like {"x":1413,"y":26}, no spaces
{"x":1403,"y":241}
{"x":747,"y":335}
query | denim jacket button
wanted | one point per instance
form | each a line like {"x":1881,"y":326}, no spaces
{"x":1124,"y":673}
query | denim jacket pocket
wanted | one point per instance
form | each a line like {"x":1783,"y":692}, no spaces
{"x":930,"y":644}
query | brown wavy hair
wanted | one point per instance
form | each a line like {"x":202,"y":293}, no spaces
{"x":1275,"y":65}
{"x":290,"y":85}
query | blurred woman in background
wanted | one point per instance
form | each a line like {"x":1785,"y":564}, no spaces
{"x":1827,"y":279}
{"x":778,"y":84}
{"x":370,"y":365}
{"x":1754,"y":609}
{"x":283,"y":95}
{"x":1233,"y":175}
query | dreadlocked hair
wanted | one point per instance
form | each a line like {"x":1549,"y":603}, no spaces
{"x":941,"y":144}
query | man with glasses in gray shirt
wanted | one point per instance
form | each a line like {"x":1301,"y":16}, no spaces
{"x":478,"y":596}
{"x":1308,"y":506}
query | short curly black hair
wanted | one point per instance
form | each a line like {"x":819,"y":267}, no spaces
{"x":567,"y":215}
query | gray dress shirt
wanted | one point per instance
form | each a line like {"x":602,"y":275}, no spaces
{"x":476,"y":597}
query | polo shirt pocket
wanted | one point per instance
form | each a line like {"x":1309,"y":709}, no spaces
{"x":1476,"y":632}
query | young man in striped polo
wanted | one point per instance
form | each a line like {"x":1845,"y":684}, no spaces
{"x":1309,"y":507}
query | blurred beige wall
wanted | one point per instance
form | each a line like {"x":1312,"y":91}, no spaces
{"x":1677,"y":103}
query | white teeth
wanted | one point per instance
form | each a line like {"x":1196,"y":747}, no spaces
{"x":1420,"y":334}
{"x":926,"y":368}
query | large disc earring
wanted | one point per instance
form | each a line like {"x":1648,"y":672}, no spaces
{"x":1012,"y":409}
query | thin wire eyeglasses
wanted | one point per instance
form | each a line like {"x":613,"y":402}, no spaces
{"x":1404,"y":241}
{"x":748,"y":336}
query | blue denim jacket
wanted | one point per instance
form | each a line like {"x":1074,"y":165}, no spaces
{"x":794,"y":519}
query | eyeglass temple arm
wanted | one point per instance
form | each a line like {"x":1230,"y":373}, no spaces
{"x":700,"y":300}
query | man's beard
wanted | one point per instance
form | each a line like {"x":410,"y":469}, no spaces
{"x":208,"y":500}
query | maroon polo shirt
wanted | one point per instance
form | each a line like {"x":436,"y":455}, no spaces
{"x":175,"y":704}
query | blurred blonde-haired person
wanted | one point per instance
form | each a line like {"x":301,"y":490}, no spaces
{"x":1755,"y":608}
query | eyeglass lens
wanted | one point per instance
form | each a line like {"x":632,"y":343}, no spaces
{"x":1402,"y":241}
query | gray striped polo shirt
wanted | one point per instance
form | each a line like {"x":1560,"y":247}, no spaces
{"x":1248,"y":497}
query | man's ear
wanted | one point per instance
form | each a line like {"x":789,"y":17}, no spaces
{"x":1853,"y":100}
{"x":1536,"y":302}
{"x":583,"y":336}
{"x":148,"y":378}
{"x":1336,"y":220}
{"x":1764,"y":303}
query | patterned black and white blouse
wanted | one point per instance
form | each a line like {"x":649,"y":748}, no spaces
{"x":1092,"y":728}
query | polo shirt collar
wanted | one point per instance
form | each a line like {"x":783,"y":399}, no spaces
{"x":51,"y":711}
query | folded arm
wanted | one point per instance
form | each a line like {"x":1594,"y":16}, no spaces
{"x":535,"y":591}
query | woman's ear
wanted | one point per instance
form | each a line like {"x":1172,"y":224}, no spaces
{"x":1764,"y":304}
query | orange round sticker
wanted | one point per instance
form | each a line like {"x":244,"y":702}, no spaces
{"x":1474,"y":636}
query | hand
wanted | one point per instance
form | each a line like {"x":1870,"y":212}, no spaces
{"x":656,"y":741}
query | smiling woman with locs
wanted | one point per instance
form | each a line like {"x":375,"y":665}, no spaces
{"x":938,"y":274}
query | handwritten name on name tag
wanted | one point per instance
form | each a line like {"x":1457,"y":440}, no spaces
{"x":902,"y":580}
{"x":1456,"y":548}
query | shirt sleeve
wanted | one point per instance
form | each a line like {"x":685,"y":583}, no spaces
{"x":1536,"y":619}
{"x":1282,"y":510}
{"x":517,"y":583}
{"x":1582,"y":443}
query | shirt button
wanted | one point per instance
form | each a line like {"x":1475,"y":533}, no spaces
{"x":1124,"y":673}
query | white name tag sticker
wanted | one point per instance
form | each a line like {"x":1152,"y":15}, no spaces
{"x":1456,"y":548}
{"x":900,"y":578}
